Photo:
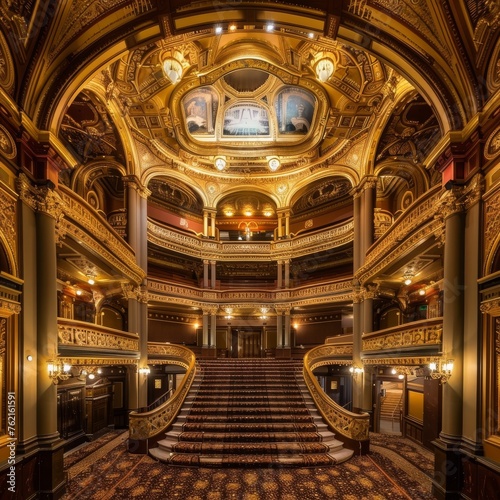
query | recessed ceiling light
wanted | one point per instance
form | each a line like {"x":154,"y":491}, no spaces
{"x":218,"y":30}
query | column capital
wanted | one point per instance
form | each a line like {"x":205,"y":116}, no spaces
{"x":131,"y":181}
{"x":41,"y":198}
{"x":209,"y":310}
{"x":474,"y":191}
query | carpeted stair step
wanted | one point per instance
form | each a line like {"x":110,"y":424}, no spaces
{"x":250,"y":437}
{"x":255,"y":413}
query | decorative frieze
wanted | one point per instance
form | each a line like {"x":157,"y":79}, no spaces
{"x":405,"y":336}
{"x":86,"y":335}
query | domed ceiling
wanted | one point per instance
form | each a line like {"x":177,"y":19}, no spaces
{"x":241,"y":106}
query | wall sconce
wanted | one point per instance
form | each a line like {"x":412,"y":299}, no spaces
{"x":145,"y":370}
{"x":58,"y":370}
{"x":356,"y":371}
{"x":441,"y":370}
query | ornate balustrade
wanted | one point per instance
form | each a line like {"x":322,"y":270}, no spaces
{"x":164,"y":291}
{"x":195,"y":246}
{"x":416,"y":224}
{"x":351,"y":428}
{"x":146,"y":428}
{"x":79,"y":336}
{"x":419,"y":335}
{"x":83,"y":223}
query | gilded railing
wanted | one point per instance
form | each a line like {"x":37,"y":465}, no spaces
{"x":82,"y":335}
{"x":190,"y":244}
{"x":82,"y":222}
{"x":144,"y":426}
{"x":418,"y":334}
{"x":350,"y":427}
{"x":160,"y":290}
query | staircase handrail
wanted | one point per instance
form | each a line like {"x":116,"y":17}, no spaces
{"x":351,"y":428}
{"x":148,"y":425}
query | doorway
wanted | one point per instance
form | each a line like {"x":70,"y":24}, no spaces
{"x":389,"y":405}
{"x":246,"y":343}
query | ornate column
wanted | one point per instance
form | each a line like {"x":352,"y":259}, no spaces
{"x":205,"y":274}
{"x":213,"y":328}
{"x":137,"y":197}
{"x":209,"y":331}
{"x":280,"y":224}
{"x":287,"y":223}
{"x":213,"y":277}
{"x":287,"y":273}
{"x":447,"y":466}
{"x":369,"y":293}
{"x":47,"y":208}
{"x":357,"y":380}
{"x":280,"y":274}
{"x":368,"y":208}
{"x":286,"y":342}
{"x":206,"y":338}
{"x":212,"y":224}
{"x":357,"y":243}
{"x":279,"y":327}
{"x":205,"y":223}
{"x":471,"y":428}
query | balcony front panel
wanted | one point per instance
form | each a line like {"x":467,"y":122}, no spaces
{"x":83,"y":223}
{"x":201,"y":248}
{"x":79,"y":337}
{"x":424,"y":336}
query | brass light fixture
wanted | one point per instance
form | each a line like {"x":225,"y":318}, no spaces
{"x":441,"y":369}
{"x":58,"y":370}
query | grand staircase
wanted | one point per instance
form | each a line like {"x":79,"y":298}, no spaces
{"x":249,"y":413}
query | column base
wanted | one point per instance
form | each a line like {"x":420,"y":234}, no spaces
{"x":52,"y":483}
{"x":208,"y":352}
{"x":283,"y":353}
{"x":447,"y":481}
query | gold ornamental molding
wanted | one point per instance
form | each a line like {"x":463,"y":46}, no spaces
{"x":143,"y":426}
{"x":400,"y":361}
{"x":491,"y":228}
{"x":79,"y":334}
{"x":97,"y":236}
{"x":278,"y":250}
{"x":418,"y":334}
{"x":163,"y":292}
{"x":87,"y":361}
{"x":8,"y":222}
{"x":372,"y":266}
{"x":353,"y":426}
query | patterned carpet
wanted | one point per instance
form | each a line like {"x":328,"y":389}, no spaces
{"x":395,"y":469}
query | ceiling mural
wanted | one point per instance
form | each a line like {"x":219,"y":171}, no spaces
{"x":89,"y":131}
{"x":411,"y":132}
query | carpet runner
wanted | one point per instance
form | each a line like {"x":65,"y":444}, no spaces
{"x":250,"y":412}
